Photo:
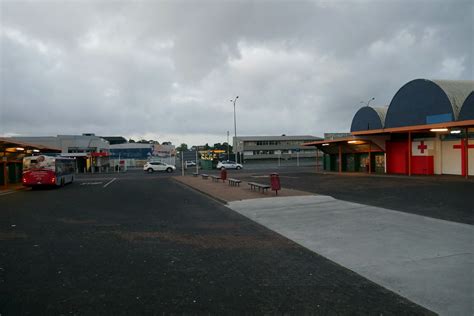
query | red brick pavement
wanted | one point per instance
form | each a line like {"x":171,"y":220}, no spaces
{"x":224,"y":192}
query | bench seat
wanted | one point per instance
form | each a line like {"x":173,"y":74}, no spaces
{"x":259,"y":186}
{"x":215,"y":178}
{"x":234,"y":182}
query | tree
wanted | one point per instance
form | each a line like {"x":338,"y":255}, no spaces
{"x":182,"y":147}
{"x":224,"y":147}
{"x":131,"y":140}
{"x":218,"y":146}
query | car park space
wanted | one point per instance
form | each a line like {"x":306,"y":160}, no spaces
{"x":442,"y":197}
{"x":146,"y":243}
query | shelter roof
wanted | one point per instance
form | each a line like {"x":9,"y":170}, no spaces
{"x":9,"y":142}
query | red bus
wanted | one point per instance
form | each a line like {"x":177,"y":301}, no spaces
{"x":47,"y":170}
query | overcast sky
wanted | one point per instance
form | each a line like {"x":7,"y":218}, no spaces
{"x":167,"y":70}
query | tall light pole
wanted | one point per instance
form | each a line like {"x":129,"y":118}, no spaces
{"x":235,"y":129}
{"x":228,"y":153}
{"x":368,"y":102}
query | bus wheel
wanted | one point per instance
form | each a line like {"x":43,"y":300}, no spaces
{"x":62,"y":182}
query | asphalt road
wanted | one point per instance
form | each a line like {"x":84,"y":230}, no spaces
{"x":144,"y":244}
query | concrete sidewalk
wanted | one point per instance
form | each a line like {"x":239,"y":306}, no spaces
{"x":427,"y":260}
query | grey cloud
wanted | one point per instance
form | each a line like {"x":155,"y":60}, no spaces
{"x":170,"y":68}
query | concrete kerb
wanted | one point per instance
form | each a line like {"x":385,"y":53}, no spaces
{"x":12,"y":189}
{"x":187,"y":186}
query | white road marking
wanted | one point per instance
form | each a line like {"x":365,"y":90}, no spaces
{"x":8,"y":192}
{"x":91,"y":183}
{"x":105,"y":185}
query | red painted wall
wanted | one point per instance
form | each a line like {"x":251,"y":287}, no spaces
{"x":422,"y":165}
{"x":397,"y":157}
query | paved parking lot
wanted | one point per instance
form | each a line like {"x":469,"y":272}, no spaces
{"x":442,"y":197}
{"x":137,"y":243}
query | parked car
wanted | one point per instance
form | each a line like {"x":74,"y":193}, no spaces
{"x":189,"y":163}
{"x":229,"y":165}
{"x":158,"y":166}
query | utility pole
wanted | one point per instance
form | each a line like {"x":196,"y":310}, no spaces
{"x":235,"y":131}
{"x":182,"y":163}
{"x":228,"y":152}
{"x":197,"y":162}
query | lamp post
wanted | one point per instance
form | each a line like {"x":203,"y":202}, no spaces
{"x":228,"y":153}
{"x":235,"y":129}
{"x":368,"y":102}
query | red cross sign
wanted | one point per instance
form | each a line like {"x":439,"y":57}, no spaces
{"x":464,"y":162}
{"x":422,"y":147}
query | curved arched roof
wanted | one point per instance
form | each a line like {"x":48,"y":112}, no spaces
{"x":467,"y":110}
{"x":423,"y":101}
{"x":369,"y":118}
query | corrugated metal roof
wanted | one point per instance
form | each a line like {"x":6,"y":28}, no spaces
{"x":457,"y":92}
{"x":382,"y":112}
{"x":369,"y":118}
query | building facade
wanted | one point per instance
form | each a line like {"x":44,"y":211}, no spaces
{"x":137,"y":154}
{"x":427,"y":129}
{"x":274,"y":147}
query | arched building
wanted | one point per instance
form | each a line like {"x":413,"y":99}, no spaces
{"x":467,"y":110}
{"x":428,"y":128}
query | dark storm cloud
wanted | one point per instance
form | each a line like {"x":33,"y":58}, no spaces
{"x":169,"y":69}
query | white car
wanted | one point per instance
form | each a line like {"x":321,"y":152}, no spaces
{"x":229,"y":165}
{"x":158,"y":166}
{"x":189,"y":163}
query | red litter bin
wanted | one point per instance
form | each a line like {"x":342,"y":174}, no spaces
{"x":223,"y":174}
{"x":275,"y":182}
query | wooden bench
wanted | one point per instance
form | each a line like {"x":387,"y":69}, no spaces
{"x":259,"y":186}
{"x":234,"y":182}
{"x":195,"y":174}
{"x":204,"y":176}
{"x":215,"y":178}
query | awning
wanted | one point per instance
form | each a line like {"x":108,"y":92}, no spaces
{"x":347,"y":145}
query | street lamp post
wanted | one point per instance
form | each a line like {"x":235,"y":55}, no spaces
{"x":228,"y":153}
{"x":368,"y":102}
{"x":235,"y":129}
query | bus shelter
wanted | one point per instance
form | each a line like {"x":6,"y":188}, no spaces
{"x":352,"y":154}
{"x":12,"y":153}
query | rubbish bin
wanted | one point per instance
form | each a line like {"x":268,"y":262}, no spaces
{"x":223,"y":174}
{"x":275,"y":182}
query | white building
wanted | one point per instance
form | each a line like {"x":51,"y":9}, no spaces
{"x":274,"y":147}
